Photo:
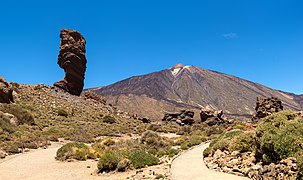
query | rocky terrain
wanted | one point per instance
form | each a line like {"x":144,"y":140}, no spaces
{"x":182,"y":118}
{"x":271,"y":150}
{"x":190,"y":87}
{"x":48,"y":113}
{"x":72,"y":59}
{"x":244,"y":164}
{"x":266,"y":107}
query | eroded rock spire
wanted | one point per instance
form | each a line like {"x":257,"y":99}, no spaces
{"x":72,"y":59}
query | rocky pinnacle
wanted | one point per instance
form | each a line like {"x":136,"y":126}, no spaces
{"x":72,"y":59}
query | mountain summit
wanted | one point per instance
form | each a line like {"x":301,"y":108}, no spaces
{"x":190,"y":87}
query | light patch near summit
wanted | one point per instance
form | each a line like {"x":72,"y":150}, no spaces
{"x":175,"y":71}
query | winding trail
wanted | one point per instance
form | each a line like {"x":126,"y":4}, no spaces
{"x":190,"y":166}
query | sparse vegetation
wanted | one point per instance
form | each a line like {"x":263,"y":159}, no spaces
{"x":109,"y":119}
{"x":62,"y":112}
{"x":277,"y":137}
{"x":23,"y":115}
{"x":108,"y":162}
{"x":141,"y":159}
{"x":78,"y":151}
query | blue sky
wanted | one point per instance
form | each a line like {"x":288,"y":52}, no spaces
{"x":258,"y":40}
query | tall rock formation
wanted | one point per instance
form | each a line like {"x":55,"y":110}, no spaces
{"x":72,"y":59}
{"x":6,"y":92}
{"x":266,"y":107}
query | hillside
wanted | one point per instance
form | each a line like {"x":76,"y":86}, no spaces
{"x":190,"y":87}
{"x":43,"y":113}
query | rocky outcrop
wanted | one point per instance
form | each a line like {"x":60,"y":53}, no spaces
{"x":6,"y":92}
{"x":266,"y":107}
{"x":212,"y":117}
{"x":184,"y":117}
{"x":244,"y":164}
{"x":72,"y":59}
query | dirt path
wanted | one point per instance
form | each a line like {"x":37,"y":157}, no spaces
{"x":190,"y":165}
{"x":41,"y":164}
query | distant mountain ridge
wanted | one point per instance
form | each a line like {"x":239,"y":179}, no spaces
{"x":190,"y":87}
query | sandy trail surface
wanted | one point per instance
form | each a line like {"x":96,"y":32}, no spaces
{"x":41,"y":164}
{"x":190,"y":166}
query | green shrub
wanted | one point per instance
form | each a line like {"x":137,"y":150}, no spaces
{"x":5,"y":124}
{"x":108,"y":142}
{"x":280,"y":136}
{"x":184,"y":146}
{"x":123,"y":165}
{"x":30,"y":145}
{"x":108,"y":162}
{"x":152,"y":151}
{"x":23,"y":116}
{"x":196,"y":140}
{"x":154,"y":127}
{"x":12,"y":149}
{"x":222,"y":142}
{"x":73,"y":150}
{"x":243,"y":143}
{"x":62,"y":112}
{"x":140,"y":159}
{"x":150,"y":138}
{"x":109,"y":119}
{"x":172,"y":152}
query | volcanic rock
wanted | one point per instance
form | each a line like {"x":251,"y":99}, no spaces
{"x":266,"y":107}
{"x":184,"y":117}
{"x":212,"y":117}
{"x":190,"y":87}
{"x":72,"y":59}
{"x":6,"y":92}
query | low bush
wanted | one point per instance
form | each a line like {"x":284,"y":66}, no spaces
{"x":150,"y":138}
{"x":280,"y":136}
{"x":73,"y":150}
{"x":184,"y":146}
{"x":12,"y":149}
{"x":62,"y":112}
{"x":243,"y":143}
{"x":23,"y":116}
{"x":5,"y":124}
{"x":109,"y":119}
{"x":222,"y":142}
{"x":108,"y":142}
{"x":123,"y":165}
{"x":173,"y":152}
{"x":108,"y":162}
{"x":140,"y":159}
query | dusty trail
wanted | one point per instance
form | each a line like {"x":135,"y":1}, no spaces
{"x":41,"y":164}
{"x":190,"y":165}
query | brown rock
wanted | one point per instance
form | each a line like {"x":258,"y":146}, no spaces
{"x":6,"y":92}
{"x":184,"y":117}
{"x":72,"y":59}
{"x":212,"y":117}
{"x":2,"y":154}
{"x":266,"y":107}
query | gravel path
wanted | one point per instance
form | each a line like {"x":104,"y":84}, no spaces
{"x":190,"y":165}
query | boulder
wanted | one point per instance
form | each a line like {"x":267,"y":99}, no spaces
{"x":212,"y":117}
{"x":144,"y":119}
{"x":72,"y":59}
{"x":184,"y":117}
{"x":6,"y":92}
{"x":266,"y":107}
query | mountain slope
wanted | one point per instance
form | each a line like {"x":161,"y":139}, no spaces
{"x":189,"y":87}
